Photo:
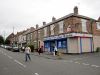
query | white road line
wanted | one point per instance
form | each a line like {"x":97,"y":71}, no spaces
{"x":77,"y":58}
{"x":95,"y":66}
{"x":36,"y":73}
{"x":77,"y":62}
{"x":85,"y":64}
{"x":20,"y":63}
{"x":10,"y":57}
{"x":70,"y":61}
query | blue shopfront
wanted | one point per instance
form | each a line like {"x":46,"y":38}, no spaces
{"x":59,"y":41}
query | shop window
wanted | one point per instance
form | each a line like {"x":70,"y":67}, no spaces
{"x":62,"y":44}
{"x":59,"y":44}
{"x":46,"y":44}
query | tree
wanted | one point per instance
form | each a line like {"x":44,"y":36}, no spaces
{"x":1,"y":40}
{"x":7,"y":41}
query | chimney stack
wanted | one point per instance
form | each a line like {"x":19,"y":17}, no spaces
{"x":76,"y":10}
{"x":44,"y":23}
{"x":37,"y":26}
{"x":53,"y":19}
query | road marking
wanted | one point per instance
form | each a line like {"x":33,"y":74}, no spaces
{"x":20,"y":63}
{"x":9,"y":57}
{"x":36,"y":73}
{"x":77,"y":62}
{"x":85,"y":64}
{"x":77,"y":58}
{"x":95,"y":66}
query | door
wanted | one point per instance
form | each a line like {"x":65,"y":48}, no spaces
{"x":52,"y":44}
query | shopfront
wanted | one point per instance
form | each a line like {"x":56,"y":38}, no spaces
{"x":69,"y":43}
{"x":59,"y":41}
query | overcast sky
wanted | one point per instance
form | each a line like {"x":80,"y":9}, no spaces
{"x":23,"y":14}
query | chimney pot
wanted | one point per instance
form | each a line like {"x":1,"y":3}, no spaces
{"x":37,"y":26}
{"x":76,"y":10}
{"x":44,"y":23}
{"x":53,"y":19}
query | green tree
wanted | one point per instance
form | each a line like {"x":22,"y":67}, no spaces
{"x":7,"y":41}
{"x":1,"y":40}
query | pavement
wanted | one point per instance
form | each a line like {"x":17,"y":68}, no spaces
{"x":63,"y":56}
{"x":13,"y":63}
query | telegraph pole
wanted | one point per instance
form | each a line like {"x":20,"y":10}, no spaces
{"x":13,"y":37}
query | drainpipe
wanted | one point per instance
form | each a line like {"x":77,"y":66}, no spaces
{"x":91,"y":24}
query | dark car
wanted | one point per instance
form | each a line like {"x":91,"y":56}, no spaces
{"x":15,"y":49}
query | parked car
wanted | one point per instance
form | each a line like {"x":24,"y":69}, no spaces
{"x":8,"y":47}
{"x":15,"y":49}
{"x":3,"y":46}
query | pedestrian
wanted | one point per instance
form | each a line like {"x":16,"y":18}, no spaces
{"x":55,"y":49}
{"x":27,"y":53}
{"x":23,"y":48}
{"x":39,"y":50}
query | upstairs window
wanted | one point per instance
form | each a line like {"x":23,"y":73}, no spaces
{"x":52,"y":27}
{"x":84,"y":29}
{"x":98,"y":25}
{"x":69,"y":28}
{"x":45,"y":31}
{"x":60,"y":27}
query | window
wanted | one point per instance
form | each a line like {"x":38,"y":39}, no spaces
{"x":59,"y":44}
{"x":45,"y":31}
{"x":84,"y":29}
{"x":52,"y":29}
{"x":69,"y":28}
{"x":62,"y":44}
{"x":98,"y":25}
{"x":31,"y":36}
{"x":60,"y":27}
{"x":46,"y":44}
{"x":39,"y":31}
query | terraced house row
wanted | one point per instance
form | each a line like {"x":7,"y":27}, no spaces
{"x":72,"y":33}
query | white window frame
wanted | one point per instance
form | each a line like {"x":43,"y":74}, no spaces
{"x":45,"y":31}
{"x":52,"y":29}
{"x":84,"y":27}
{"x":98,"y":25}
{"x":61,"y":26}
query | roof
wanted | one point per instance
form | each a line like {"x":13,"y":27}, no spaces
{"x":67,"y":16}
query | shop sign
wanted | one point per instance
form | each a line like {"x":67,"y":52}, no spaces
{"x":55,"y":37}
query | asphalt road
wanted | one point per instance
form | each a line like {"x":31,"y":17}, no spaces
{"x":13,"y":63}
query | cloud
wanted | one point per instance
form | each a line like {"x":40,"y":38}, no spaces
{"x":23,"y":14}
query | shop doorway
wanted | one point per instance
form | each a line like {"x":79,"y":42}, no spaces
{"x":52,"y":44}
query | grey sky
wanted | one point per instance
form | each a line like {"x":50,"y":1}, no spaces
{"x":22,"y":14}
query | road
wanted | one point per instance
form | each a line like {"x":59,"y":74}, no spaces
{"x":13,"y":63}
